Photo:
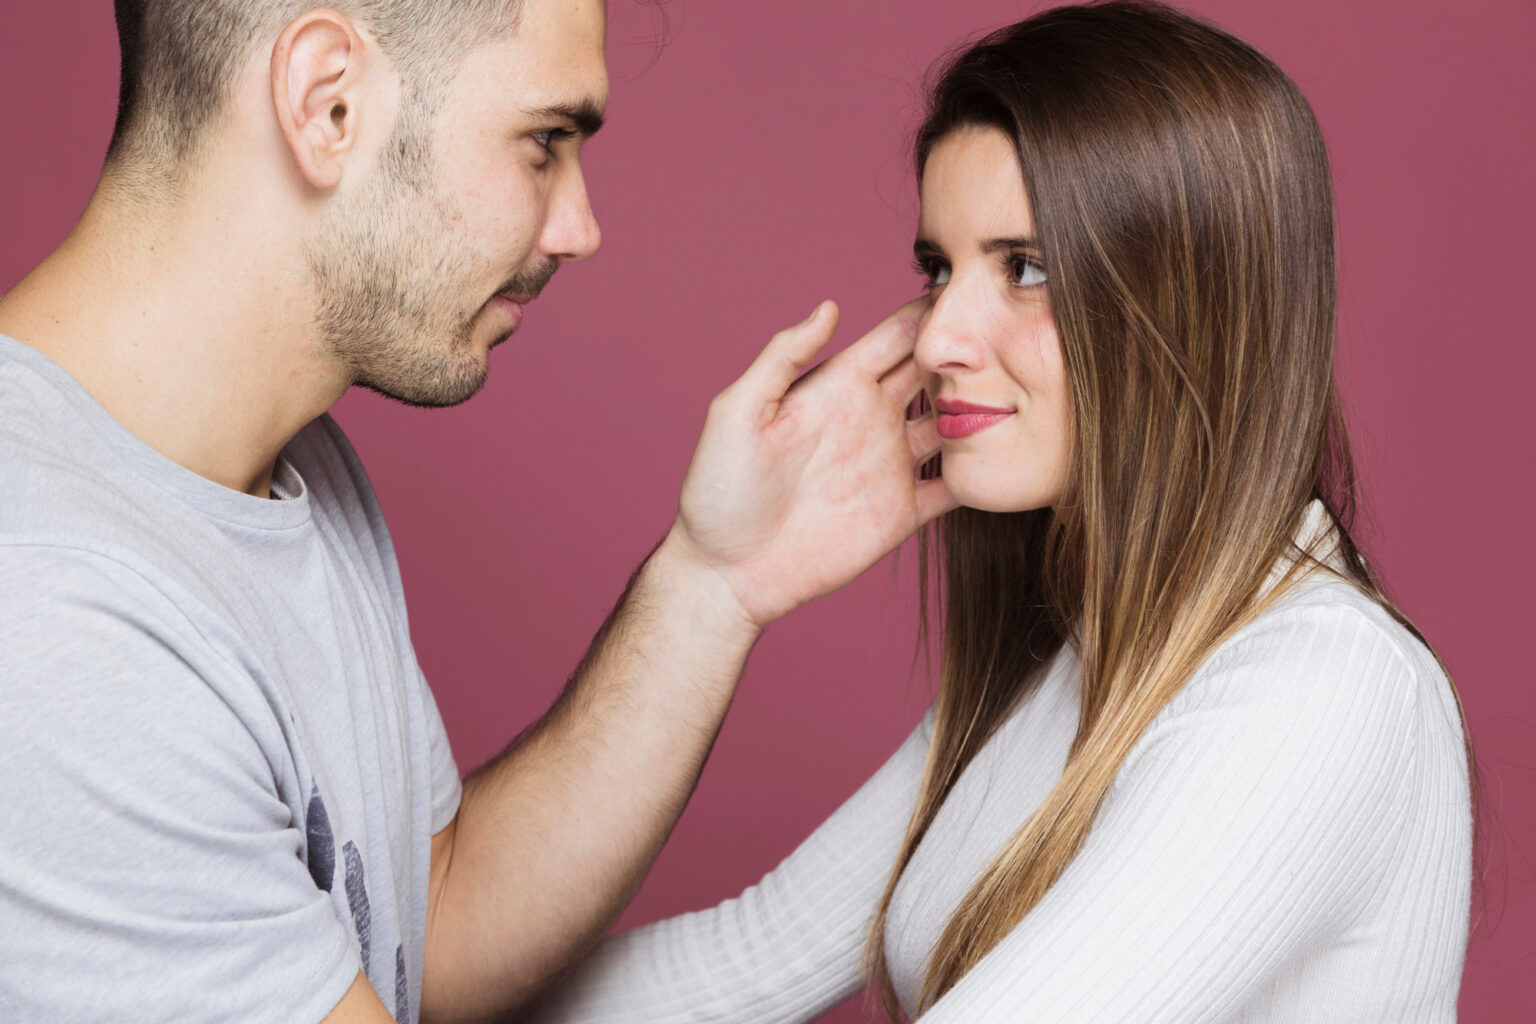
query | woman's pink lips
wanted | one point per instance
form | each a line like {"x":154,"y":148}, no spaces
{"x":962,"y":419}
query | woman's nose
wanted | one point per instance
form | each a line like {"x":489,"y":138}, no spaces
{"x":946,"y":340}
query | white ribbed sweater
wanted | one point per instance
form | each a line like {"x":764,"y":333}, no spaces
{"x":1289,"y":842}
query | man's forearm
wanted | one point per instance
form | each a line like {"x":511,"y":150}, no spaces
{"x":799,"y":483}
{"x":553,"y":837}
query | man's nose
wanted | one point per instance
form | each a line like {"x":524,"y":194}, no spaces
{"x":571,"y":232}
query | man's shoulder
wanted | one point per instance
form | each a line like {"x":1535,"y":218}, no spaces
{"x":60,"y":597}
{"x":67,"y":469}
{"x":323,"y":455}
{"x":54,"y":493}
{"x":58,"y":476}
{"x":61,"y":505}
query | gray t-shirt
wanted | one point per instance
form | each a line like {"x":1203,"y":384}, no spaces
{"x":220,"y":766}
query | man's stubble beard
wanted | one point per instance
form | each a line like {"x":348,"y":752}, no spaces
{"x":387,"y":266}
{"x":390,"y":266}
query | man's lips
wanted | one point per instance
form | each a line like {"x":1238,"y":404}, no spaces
{"x":958,"y":419}
{"x":511,"y":306}
{"x":519,"y":290}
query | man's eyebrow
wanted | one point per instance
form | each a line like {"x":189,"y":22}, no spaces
{"x":586,"y":115}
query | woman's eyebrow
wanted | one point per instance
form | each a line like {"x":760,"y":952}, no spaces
{"x":924,"y":247}
{"x":992,"y":245}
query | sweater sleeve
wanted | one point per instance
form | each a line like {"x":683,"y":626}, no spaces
{"x":1250,"y":824}
{"x":786,"y":949}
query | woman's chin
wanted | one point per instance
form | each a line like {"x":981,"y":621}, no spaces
{"x":983,"y":481}
{"x":998,"y":499}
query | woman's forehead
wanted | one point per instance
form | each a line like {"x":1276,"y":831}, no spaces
{"x":972,"y":189}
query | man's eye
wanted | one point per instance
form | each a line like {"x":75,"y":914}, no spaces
{"x":1025,"y":271}
{"x":550,"y":136}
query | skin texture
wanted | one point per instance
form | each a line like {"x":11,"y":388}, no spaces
{"x":987,"y":335}
{"x":292,"y":263}
{"x":297,"y":161}
{"x":404,"y":277}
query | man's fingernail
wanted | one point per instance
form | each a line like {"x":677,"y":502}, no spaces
{"x":813,"y":314}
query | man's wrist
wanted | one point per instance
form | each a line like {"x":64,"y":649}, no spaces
{"x":677,"y":578}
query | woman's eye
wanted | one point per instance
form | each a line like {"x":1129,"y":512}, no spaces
{"x":1025,"y":271}
{"x":937,"y":273}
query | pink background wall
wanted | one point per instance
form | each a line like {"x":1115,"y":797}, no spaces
{"x":759,"y":166}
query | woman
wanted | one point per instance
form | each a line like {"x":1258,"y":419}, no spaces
{"x":1188,"y":763}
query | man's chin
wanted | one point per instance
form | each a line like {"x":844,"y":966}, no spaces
{"x":435,"y":387}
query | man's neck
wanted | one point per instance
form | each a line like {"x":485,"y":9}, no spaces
{"x":190,"y":324}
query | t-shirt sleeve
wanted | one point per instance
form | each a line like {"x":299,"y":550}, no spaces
{"x":1248,"y":823}
{"x":447,"y":787}
{"x":333,"y":450}
{"x":787,"y":949}
{"x":150,"y":869}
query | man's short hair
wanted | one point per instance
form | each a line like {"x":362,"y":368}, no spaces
{"x":181,"y":59}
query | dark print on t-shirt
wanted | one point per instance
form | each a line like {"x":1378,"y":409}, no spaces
{"x":322,"y":868}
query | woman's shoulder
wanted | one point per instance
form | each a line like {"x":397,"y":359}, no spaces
{"x":1328,"y":661}
{"x":1319,"y":629}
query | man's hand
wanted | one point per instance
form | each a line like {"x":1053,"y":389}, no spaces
{"x":800,"y":483}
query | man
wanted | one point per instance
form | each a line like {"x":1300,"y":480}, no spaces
{"x":229,"y":795}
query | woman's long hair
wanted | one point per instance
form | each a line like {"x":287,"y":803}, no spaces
{"x":1181,"y":194}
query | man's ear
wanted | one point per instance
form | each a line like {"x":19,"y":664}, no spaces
{"x":317,"y":68}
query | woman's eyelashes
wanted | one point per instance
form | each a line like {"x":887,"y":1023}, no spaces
{"x":935,"y":270}
{"x":1022,"y":270}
